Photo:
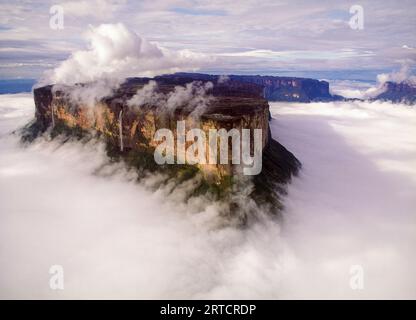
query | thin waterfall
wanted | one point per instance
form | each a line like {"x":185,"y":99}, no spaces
{"x":120,"y":123}
{"x":53,"y":116}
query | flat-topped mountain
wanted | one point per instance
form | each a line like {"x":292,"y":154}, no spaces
{"x":129,"y":117}
{"x":274,"y":88}
{"x":398,"y":92}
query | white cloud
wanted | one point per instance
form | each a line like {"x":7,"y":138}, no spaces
{"x":403,"y":75}
{"x":306,"y":54}
{"x":193,"y":95}
{"x":117,"y":52}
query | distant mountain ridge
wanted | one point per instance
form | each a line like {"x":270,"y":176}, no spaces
{"x":398,"y":92}
{"x":275,"y":88}
{"x":295,"y":89}
{"x":272,"y":88}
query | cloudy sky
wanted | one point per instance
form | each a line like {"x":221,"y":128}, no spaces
{"x":311,"y":38}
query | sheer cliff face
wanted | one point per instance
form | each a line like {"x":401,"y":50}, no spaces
{"x":130,"y":128}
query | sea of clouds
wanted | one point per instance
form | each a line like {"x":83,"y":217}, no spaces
{"x":352,"y":204}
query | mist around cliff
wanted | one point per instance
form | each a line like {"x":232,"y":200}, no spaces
{"x":352,"y":204}
{"x":356,"y":89}
{"x":194,"y":95}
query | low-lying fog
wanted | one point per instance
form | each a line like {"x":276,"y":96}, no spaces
{"x":353,"y":204}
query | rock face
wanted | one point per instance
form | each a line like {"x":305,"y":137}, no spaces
{"x":398,"y":92}
{"x":130,"y":131}
{"x":289,"y":89}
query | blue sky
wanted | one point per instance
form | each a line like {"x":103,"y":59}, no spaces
{"x":248,"y":37}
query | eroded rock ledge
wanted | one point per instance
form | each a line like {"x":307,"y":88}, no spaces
{"x":231,"y":104}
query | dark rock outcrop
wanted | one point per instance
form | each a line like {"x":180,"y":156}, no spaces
{"x":398,"y":92}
